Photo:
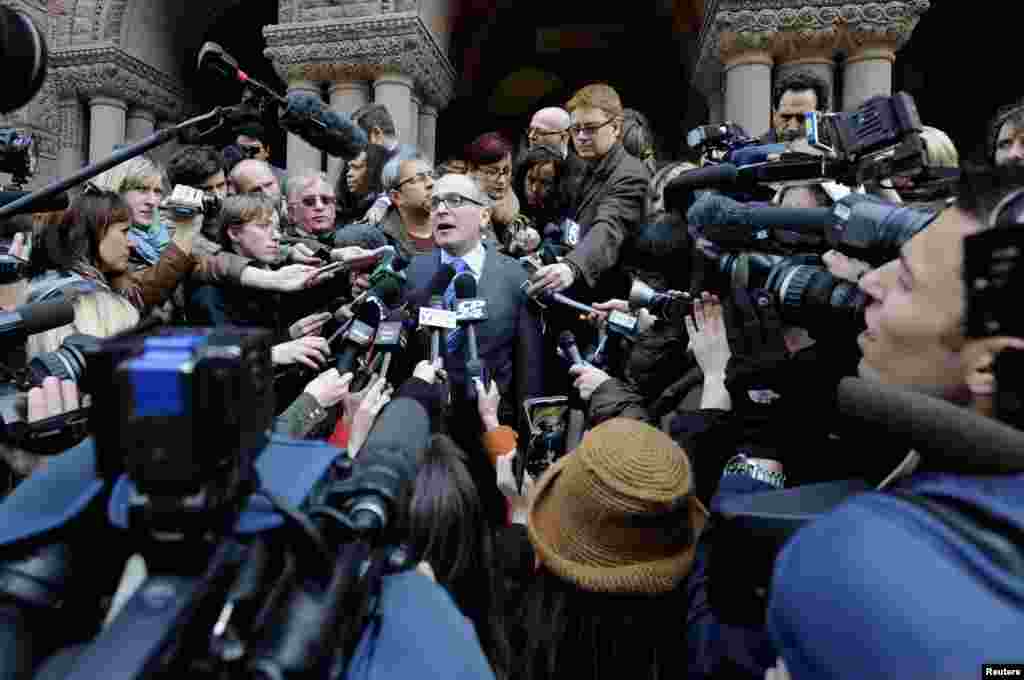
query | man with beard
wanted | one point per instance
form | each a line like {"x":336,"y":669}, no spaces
{"x":409,"y":184}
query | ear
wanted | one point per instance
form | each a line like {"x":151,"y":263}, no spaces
{"x":234,"y":233}
{"x":485,"y":217}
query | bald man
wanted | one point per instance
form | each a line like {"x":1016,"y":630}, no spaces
{"x":550,"y":127}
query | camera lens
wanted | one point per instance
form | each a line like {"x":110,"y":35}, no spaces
{"x":66,"y":363}
{"x":810,"y":296}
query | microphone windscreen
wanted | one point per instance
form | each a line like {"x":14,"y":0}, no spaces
{"x":802,"y":220}
{"x":442,"y":277}
{"x":360,"y":234}
{"x":40,"y":317}
{"x":24,"y":52}
{"x":679,"y":192}
{"x":949,"y":438}
{"x":465,"y":286}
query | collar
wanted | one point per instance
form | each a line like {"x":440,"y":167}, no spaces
{"x":604,"y":167}
{"x":474,"y":259}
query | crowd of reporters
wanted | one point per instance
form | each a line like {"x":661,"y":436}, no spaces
{"x":634,"y":378}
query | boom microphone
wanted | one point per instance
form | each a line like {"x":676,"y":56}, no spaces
{"x":679,"y":192}
{"x":58,"y":202}
{"x":729,"y":222}
{"x":949,"y":438}
{"x":324,"y":129}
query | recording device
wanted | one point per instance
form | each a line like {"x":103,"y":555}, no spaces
{"x":858,"y":225}
{"x":878,"y":140}
{"x":618,"y":322}
{"x":359,"y":335}
{"x":673,"y":306}
{"x":39,"y":317}
{"x":327,"y":130}
{"x":469,"y":311}
{"x":547,"y":418}
{"x":433,"y":317}
{"x":18,"y":155}
{"x":187,"y":201}
{"x":24,"y":54}
{"x":387,"y":280}
{"x":577,"y":417}
{"x":391,"y":338}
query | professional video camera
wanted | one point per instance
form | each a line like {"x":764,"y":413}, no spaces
{"x":18,"y":155}
{"x":263,"y":555}
{"x":878,"y":140}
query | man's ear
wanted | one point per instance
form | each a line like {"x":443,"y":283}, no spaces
{"x":485,"y":217}
{"x":233,"y":233}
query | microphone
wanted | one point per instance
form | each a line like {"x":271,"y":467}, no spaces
{"x":728,"y":222}
{"x":391,"y":338}
{"x":322,"y":128}
{"x":58,"y":202}
{"x":435,"y":317}
{"x":623,"y":324}
{"x":577,"y":417}
{"x":679,"y":192}
{"x":359,"y":335}
{"x":949,"y":438}
{"x":469,"y":311}
{"x":567,"y":341}
{"x":30,"y":319}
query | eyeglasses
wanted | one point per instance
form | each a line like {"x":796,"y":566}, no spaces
{"x":418,"y":177}
{"x":311,"y":201}
{"x":591,"y":129}
{"x":495,"y":173}
{"x":452,"y":201}
{"x":539,"y":132}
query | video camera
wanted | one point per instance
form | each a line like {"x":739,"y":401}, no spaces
{"x":18,"y":155}
{"x":878,"y":140}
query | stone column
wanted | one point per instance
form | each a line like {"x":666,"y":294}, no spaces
{"x":868,"y":73}
{"x":428,"y":131}
{"x":140,"y":124}
{"x":345,"y":97}
{"x":72,"y":136}
{"x":394,"y":91}
{"x":300,"y":155}
{"x":414,"y":119}
{"x":716,"y":107}
{"x":106,"y":126}
{"x":748,"y":89}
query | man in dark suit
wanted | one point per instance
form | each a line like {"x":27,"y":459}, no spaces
{"x":609,"y":200}
{"x":510,"y":339}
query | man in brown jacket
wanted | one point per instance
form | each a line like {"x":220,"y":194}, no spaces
{"x":609,"y":199}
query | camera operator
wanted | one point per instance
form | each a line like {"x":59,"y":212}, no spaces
{"x":796,"y":93}
{"x":943,"y":541}
{"x":1006,"y":136}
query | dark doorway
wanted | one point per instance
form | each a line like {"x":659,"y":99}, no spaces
{"x":533,"y":54}
{"x":240,"y":32}
{"x":961,"y":64}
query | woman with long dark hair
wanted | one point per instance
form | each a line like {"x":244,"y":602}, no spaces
{"x":448,"y":529}
{"x":541,"y":179}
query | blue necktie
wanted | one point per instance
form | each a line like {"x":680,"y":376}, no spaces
{"x":454,"y":338}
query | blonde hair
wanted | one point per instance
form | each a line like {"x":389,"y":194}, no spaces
{"x":101,"y":313}
{"x":241,"y":208}
{"x":130,"y":175}
{"x":940,"y":149}
{"x":597,"y":96}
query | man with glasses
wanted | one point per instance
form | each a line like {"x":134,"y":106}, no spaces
{"x":509,"y":339}
{"x":609,"y":200}
{"x":409,"y":183}
{"x":550,"y":127}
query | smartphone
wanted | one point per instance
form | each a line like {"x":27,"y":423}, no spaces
{"x":547,"y":419}
{"x":994,"y":277}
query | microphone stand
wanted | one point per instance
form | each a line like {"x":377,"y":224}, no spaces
{"x":183,"y":130}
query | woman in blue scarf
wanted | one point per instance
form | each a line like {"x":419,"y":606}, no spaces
{"x":140,"y":182}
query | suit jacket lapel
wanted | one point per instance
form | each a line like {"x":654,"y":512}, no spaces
{"x":488,"y":280}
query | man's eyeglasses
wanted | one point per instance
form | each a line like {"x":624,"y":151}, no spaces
{"x":452,"y":201}
{"x":539,"y":132}
{"x":311,"y":201}
{"x":591,"y":129}
{"x":418,"y":177}
{"x":495,"y":173}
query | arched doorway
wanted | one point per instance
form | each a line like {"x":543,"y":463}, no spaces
{"x":518,"y":57}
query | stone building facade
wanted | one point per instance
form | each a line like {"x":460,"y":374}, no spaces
{"x":117,"y":68}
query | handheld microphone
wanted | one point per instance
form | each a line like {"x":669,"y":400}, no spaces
{"x":433,"y":316}
{"x":567,"y":342}
{"x":30,"y":319}
{"x":436,"y":302}
{"x":469,"y":311}
{"x":359,"y":335}
{"x":620,"y":323}
{"x":391,"y":338}
{"x":326,"y":130}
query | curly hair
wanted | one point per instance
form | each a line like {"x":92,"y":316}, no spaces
{"x":800,"y":80}
{"x":193,"y":165}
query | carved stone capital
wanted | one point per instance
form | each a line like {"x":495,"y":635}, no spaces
{"x":362,"y":49}
{"x":103,"y":69}
{"x":795,"y":30}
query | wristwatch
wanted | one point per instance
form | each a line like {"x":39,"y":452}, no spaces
{"x":741,"y":465}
